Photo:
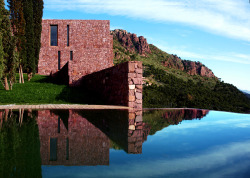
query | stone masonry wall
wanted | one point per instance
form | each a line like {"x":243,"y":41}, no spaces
{"x":118,"y":85}
{"x":90,"y":41}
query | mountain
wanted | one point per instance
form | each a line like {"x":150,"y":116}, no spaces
{"x":138,"y":45}
{"x":170,"y":81}
{"x":247,"y":93}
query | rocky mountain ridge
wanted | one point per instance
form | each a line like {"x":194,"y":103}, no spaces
{"x":138,"y":45}
{"x":131,"y":42}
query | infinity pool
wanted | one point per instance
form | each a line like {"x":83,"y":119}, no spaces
{"x":122,"y":143}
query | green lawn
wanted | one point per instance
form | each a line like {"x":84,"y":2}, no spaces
{"x":40,"y":91}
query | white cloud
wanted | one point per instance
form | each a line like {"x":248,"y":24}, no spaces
{"x":225,"y":17}
{"x":185,"y":54}
{"x":220,"y":161}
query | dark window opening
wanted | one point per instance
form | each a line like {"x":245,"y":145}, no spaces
{"x":53,"y":149}
{"x":59,"y":59}
{"x":58,"y":128}
{"x":67,"y":148}
{"x":54,"y":35}
{"x":67,"y":35}
{"x":71,"y":55}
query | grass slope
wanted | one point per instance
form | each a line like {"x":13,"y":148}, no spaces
{"x":40,"y":91}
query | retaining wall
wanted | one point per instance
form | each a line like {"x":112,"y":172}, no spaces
{"x":118,"y":85}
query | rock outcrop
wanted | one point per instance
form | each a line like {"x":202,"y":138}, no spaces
{"x":131,"y":42}
{"x":197,"y":68}
{"x":190,"y":67}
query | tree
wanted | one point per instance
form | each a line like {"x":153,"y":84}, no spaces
{"x":2,"y":54}
{"x":2,"y":65}
{"x":18,"y":29}
{"x":29,"y":36}
{"x":8,"y":53}
{"x":37,"y":14}
{"x":26,"y":18}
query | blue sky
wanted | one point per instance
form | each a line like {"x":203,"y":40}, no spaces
{"x":217,"y":33}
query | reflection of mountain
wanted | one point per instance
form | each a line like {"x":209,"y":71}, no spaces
{"x":159,"y":119}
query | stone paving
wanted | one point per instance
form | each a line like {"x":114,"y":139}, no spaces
{"x":61,"y":106}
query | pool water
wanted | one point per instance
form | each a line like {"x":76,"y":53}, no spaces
{"x":121,"y":143}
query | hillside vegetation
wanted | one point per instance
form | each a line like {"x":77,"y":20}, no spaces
{"x":172,"y":82}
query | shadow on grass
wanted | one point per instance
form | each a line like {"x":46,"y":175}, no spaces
{"x":44,"y":79}
{"x":68,"y":94}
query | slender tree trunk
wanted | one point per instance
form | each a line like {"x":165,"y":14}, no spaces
{"x":11,"y":84}
{"x":11,"y":113}
{"x":21,"y":111}
{"x":21,"y":72}
{"x":6,"y":114}
{"x":20,"y":78}
{"x":1,"y":122}
{"x":6,"y":85}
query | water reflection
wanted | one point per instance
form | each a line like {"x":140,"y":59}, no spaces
{"x":159,"y":119}
{"x":19,"y":144}
{"x":30,"y":139}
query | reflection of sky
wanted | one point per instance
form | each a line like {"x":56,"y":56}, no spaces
{"x":215,"y":146}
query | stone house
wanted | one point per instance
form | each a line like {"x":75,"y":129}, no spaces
{"x":86,"y":44}
{"x":80,"y":53}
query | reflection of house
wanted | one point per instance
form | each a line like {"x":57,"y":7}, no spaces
{"x":81,"y":144}
{"x":82,"y":137}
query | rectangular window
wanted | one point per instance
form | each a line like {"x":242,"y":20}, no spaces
{"x":67,"y":148}
{"x":71,"y":55}
{"x":53,"y":35}
{"x":59,"y":59}
{"x":58,"y":128}
{"x":67,"y":35}
{"x":53,"y":149}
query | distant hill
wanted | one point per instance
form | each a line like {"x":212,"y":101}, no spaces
{"x":170,"y":81}
{"x":247,"y":93}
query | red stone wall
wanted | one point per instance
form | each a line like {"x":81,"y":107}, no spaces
{"x":118,"y":85}
{"x":90,"y":41}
